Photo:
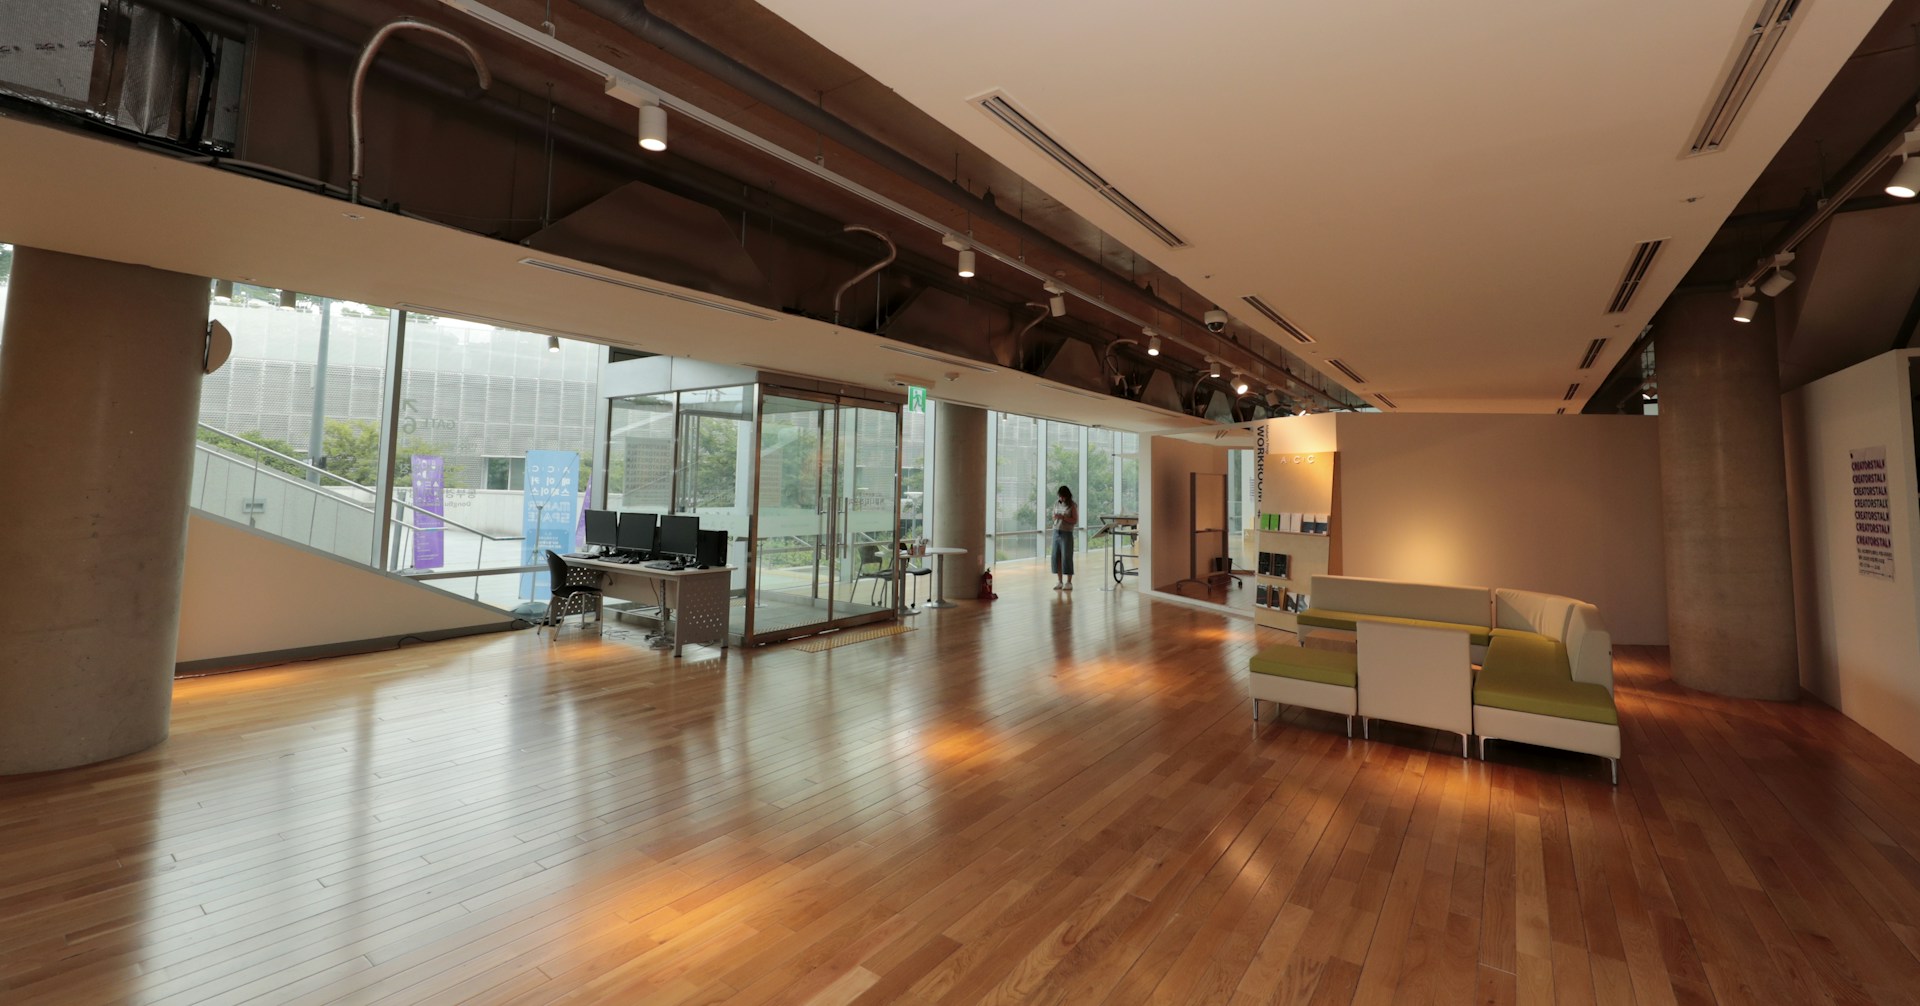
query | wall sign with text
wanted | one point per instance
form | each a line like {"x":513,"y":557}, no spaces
{"x":1872,"y":511}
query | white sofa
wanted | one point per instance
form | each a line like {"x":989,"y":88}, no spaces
{"x":1548,"y":677}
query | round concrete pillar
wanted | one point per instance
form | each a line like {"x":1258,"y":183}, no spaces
{"x":960,"y":494}
{"x":100,"y":369}
{"x":1730,"y":617}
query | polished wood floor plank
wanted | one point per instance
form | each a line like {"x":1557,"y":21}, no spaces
{"x":1053,"y":798}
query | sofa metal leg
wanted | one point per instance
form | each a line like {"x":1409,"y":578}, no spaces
{"x":1364,"y":735}
{"x":1483,"y":749}
{"x":1613,"y":764}
{"x":1463,"y":745}
{"x":1349,"y":727}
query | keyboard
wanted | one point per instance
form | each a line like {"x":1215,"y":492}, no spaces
{"x":580,"y":555}
{"x":662,"y":564}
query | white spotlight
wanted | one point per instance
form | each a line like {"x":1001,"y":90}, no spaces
{"x":1056,"y":299}
{"x":1239,"y":383}
{"x":1776,"y":282}
{"x":1905,"y":181}
{"x":966,"y":263}
{"x":553,"y":344}
{"x":223,"y":290}
{"x":653,"y":128}
{"x":1213,"y":367}
{"x":1153,"y":342}
{"x":1746,"y":310}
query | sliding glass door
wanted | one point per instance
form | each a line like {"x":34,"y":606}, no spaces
{"x":828,"y":514}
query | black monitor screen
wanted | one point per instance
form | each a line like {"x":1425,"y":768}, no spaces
{"x":602,"y":527}
{"x":679,"y":534}
{"x":636,"y":532}
{"x":711,"y":549}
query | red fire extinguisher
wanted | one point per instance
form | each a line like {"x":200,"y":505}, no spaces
{"x":986,"y":586}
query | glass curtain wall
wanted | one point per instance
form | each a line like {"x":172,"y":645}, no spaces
{"x":290,"y":427}
{"x":1030,"y":459}
{"x":494,"y":454}
{"x":6,"y":271}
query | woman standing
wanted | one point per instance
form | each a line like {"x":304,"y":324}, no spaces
{"x":1065,"y":517}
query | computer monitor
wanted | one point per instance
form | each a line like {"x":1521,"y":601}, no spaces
{"x":710,"y":548}
{"x":679,"y":535}
{"x":636,"y":532}
{"x":603,"y":528}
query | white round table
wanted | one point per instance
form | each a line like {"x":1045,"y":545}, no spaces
{"x":939,"y":553}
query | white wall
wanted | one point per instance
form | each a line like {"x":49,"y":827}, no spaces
{"x":1165,"y":510}
{"x":1859,"y":635}
{"x":1564,"y":504}
{"x":246,"y":593}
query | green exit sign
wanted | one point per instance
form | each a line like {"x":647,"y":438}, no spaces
{"x":916,"y":399}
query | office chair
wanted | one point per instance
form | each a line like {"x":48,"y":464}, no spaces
{"x":576,"y":591}
{"x":875,"y":566}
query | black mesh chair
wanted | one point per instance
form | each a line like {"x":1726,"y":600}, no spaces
{"x":916,"y":572}
{"x":875,"y":566}
{"x":576,"y":591}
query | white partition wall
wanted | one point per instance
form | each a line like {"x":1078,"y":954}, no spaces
{"x":1856,"y":593}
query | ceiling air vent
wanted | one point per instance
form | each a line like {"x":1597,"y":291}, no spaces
{"x":1344,"y":369}
{"x":1388,"y":402}
{"x":1593,"y":353}
{"x":1561,"y":411}
{"x":1012,"y":116}
{"x":1637,"y":265}
{"x":1267,"y":312}
{"x":1752,"y":52}
{"x":1572,"y":390}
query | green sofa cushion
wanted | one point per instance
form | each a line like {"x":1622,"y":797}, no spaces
{"x":1530,"y":675}
{"x":1325,"y":666}
{"x":1519,"y":634}
{"x":1328,"y":619}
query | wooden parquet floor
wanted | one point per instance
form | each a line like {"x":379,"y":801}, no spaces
{"x":1053,"y":798}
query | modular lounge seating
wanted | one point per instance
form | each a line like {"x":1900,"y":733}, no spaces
{"x":1548,"y":677}
{"x":1311,"y":679}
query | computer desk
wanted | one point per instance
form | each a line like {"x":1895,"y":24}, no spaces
{"x":696,"y":598}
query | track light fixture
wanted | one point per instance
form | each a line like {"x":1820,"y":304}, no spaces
{"x":1748,"y":307}
{"x":223,"y":290}
{"x":959,"y":244}
{"x":653,"y":128}
{"x":1153,"y":341}
{"x":553,"y":344}
{"x":1776,"y":282}
{"x":1056,"y":299}
{"x":1239,"y":382}
{"x":1213,"y":367}
{"x":1906,"y":178}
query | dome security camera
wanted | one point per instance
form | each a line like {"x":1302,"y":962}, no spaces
{"x":1216,"y":320}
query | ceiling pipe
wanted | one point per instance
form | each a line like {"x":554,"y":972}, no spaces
{"x":635,"y":17}
{"x":892,"y":253}
{"x":367,"y":53}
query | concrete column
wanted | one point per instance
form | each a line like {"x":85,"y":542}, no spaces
{"x":960,"y":494}
{"x":100,"y":372}
{"x":1730,"y":619}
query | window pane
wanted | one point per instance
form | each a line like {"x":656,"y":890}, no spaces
{"x":913,"y":473}
{"x":1126,"y":457}
{"x":261,"y":457}
{"x":1100,"y":499}
{"x":716,"y":458}
{"x":475,"y":400}
{"x":1016,"y":493}
{"x":640,"y":454}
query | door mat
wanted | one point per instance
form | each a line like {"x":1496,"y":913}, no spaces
{"x":847,"y":637}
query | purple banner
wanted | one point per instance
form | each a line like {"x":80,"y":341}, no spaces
{"x":429,"y":501}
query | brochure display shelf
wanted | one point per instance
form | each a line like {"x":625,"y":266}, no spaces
{"x":1298,"y":536}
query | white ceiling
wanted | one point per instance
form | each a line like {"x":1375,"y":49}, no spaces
{"x":71,"y":193}
{"x":1444,"y":196}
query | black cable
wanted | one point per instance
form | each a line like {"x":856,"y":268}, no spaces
{"x":209,"y":77}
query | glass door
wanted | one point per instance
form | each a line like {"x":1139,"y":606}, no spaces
{"x":828,"y":514}
{"x":866,"y":524}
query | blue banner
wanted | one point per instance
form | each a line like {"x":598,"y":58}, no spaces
{"x":429,"y":505}
{"x":549,"y":509}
